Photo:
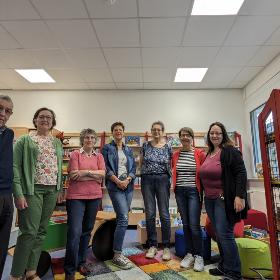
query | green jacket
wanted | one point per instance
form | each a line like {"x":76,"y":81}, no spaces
{"x":25,"y":157}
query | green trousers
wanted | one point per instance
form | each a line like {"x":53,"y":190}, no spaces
{"x":33,"y":224}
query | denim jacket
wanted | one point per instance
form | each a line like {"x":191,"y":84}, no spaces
{"x":110,"y":154}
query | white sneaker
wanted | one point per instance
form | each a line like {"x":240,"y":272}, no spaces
{"x":151,"y":252}
{"x":198,"y":263}
{"x":122,"y":262}
{"x":188,"y":261}
{"x":166,"y":256}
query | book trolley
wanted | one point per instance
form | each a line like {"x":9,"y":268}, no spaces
{"x":269,"y":129}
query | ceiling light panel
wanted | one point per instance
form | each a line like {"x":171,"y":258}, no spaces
{"x":216,"y":7}
{"x":190,"y":75}
{"x":35,"y":75}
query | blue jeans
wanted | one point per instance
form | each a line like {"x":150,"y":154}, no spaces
{"x":156,"y":187}
{"x":190,"y":208}
{"x":230,"y":261}
{"x":121,"y":200}
{"x":81,"y":218}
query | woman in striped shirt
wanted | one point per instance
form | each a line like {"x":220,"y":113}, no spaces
{"x":185,"y":165}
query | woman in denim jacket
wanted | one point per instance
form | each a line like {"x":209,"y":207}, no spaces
{"x":120,"y":174}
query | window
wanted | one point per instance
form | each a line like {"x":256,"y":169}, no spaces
{"x":255,"y":134}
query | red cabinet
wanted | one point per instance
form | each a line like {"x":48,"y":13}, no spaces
{"x":269,"y":128}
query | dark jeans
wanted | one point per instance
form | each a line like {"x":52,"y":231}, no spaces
{"x":156,"y":187}
{"x":121,"y":200}
{"x":6,"y":218}
{"x":190,"y":208}
{"x":80,"y":221}
{"x":230,"y":261}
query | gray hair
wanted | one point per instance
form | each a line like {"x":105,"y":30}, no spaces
{"x":85,"y":132}
{"x":7,"y":98}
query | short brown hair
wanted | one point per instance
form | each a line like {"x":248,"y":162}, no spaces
{"x":117,"y":124}
{"x":186,"y":130}
{"x":44,"y":109}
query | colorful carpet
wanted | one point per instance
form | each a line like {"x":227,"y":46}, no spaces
{"x":144,"y":269}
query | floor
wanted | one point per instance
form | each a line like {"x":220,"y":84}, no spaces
{"x":130,"y":241}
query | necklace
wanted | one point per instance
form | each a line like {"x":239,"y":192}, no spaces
{"x":215,"y":153}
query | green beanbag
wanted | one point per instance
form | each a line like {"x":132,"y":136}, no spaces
{"x":254,"y":254}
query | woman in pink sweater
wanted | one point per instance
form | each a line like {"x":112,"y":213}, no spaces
{"x":86,"y":170}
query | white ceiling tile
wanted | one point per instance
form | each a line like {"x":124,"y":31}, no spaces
{"x":54,"y":58}
{"x":234,"y":56}
{"x":185,"y":85}
{"x":96,"y":75}
{"x":74,"y":33}
{"x":247,"y":73}
{"x":264,"y":55}
{"x":17,"y":9}
{"x":162,"y":32}
{"x":213,"y":85}
{"x":237,"y":84}
{"x":223,"y":75}
{"x":126,"y":75}
{"x":104,"y":9}
{"x":31,"y":34}
{"x":87,"y":58}
{"x":18,"y":59}
{"x":73,"y":86}
{"x":164,"y":8}
{"x":129,"y":85}
{"x":101,"y":85}
{"x":197,"y":56}
{"x":160,"y":57}
{"x":260,"y":7}
{"x":54,"y":9}
{"x":65,"y":75}
{"x":9,"y":76}
{"x":7,"y":41}
{"x":156,"y":75}
{"x":252,"y":30}
{"x":4,"y":86}
{"x":123,"y":57}
{"x":274,"y":38}
{"x":117,"y":33}
{"x":207,"y":30}
{"x":157,"y":85}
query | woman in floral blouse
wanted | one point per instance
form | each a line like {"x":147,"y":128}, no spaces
{"x":155,"y":185}
{"x":37,"y":188}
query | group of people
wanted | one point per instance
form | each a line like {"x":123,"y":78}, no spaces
{"x":33,"y":173}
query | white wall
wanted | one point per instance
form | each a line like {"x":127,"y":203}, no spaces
{"x":255,"y":94}
{"x":137,"y":109}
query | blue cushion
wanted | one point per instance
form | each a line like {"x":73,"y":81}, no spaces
{"x":180,"y":246}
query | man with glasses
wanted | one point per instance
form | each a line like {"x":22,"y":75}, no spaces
{"x":6,"y":177}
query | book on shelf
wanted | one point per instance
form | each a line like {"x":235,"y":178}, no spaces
{"x":173,"y":139}
{"x":132,"y":140}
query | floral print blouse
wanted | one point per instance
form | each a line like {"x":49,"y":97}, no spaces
{"x":46,"y":165}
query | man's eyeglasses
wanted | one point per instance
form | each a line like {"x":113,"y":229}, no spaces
{"x":41,"y":117}
{"x":7,"y":111}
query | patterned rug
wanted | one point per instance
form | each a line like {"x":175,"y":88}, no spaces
{"x":144,"y":269}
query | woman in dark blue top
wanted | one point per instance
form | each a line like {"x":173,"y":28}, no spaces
{"x":120,"y":175}
{"x":155,"y":184}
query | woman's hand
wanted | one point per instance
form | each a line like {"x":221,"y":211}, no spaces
{"x":239,"y":204}
{"x":21,"y":203}
{"x":60,"y":197}
{"x":123,"y":184}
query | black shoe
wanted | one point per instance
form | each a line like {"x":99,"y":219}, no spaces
{"x":215,"y":271}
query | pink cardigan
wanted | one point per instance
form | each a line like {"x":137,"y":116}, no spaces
{"x":199,"y":156}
